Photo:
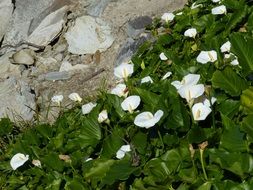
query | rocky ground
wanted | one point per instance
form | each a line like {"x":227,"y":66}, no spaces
{"x":62,"y":46}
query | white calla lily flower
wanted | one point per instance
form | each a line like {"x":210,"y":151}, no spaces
{"x":200,"y":111}
{"x":131,"y":103}
{"x":168,"y":17}
{"x":103,"y":116}
{"x":124,"y":70}
{"x":147,"y":119}
{"x":190,"y":79}
{"x":146,"y":79}
{"x":57,"y":99}
{"x":191,"y":32}
{"x":189,"y":92}
{"x":226,"y":47}
{"x":122,"y":151}
{"x":216,"y":1}
{"x":235,"y":62}
{"x":219,"y":10}
{"x":163,"y":57}
{"x":120,"y":90}
{"x":207,"y":56}
{"x":86,"y":108}
{"x":75,"y":97}
{"x":18,"y":160}
{"x":167,"y":75}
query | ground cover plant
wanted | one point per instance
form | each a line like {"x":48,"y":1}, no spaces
{"x":181,"y":117}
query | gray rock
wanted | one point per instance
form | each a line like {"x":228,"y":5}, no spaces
{"x":97,"y":7}
{"x":24,"y":56}
{"x":55,"y":76}
{"x":7,"y":68}
{"x":89,"y":35}
{"x":129,"y":48}
{"x":137,"y":26}
{"x":16,"y":100}
{"x":6,"y":8}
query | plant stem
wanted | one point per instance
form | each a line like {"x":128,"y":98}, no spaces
{"x":160,"y":137}
{"x":202,"y":163}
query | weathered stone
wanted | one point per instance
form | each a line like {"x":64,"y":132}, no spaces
{"x":137,"y":26}
{"x":89,"y":35}
{"x":24,"y":56}
{"x":55,"y":76}
{"x":16,"y":100}
{"x":7,"y":68}
{"x":66,"y":66}
{"x":129,"y":48}
{"x":97,"y":7}
{"x":6,"y":8}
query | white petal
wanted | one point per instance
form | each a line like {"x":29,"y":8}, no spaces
{"x":225,"y":47}
{"x":88,"y":159}
{"x":75,"y":97}
{"x":18,"y":160}
{"x":177,"y":84}
{"x":190,"y":92}
{"x":146,"y":79}
{"x":163,"y":57}
{"x":179,"y":13}
{"x":102,"y":116}
{"x":120,"y":90}
{"x":86,"y":108}
{"x":167,"y":75}
{"x":200,"y":111}
{"x":235,"y":62}
{"x":194,"y":6}
{"x":207,"y":56}
{"x":57,"y":98}
{"x":131,"y":103}
{"x":147,"y":120}
{"x":36,"y":163}
{"x":124,"y":70}
{"x":120,"y":154}
{"x":207,"y":102}
{"x":215,"y":1}
{"x":125,"y":148}
{"x":219,"y":10}
{"x":191,"y":32}
{"x":190,"y":79}
{"x":168,"y":17}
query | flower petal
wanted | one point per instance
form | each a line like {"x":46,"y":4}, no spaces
{"x":191,"y":32}
{"x":57,"y":99}
{"x":124,"y":70}
{"x":167,"y":75}
{"x":120,"y":90}
{"x":168,"y":17}
{"x":18,"y":160}
{"x":131,"y":103}
{"x":163,"y":57}
{"x":190,"y":92}
{"x":120,"y":154}
{"x":200,"y":111}
{"x":219,"y":10}
{"x":103,"y":115}
{"x":226,"y":47}
{"x":86,"y":108}
{"x":146,"y":79}
{"x":75,"y":97}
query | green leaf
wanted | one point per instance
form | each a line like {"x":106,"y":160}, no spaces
{"x":241,"y":47}
{"x":53,"y":161}
{"x":5,"y":126}
{"x":247,"y":126}
{"x":247,"y":100}
{"x":228,"y":81}
{"x":140,"y":142}
{"x":232,"y":138}
{"x":205,"y":186}
{"x":229,"y":107}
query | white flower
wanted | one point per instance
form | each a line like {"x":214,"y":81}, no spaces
{"x":147,"y":119}
{"x":57,"y":99}
{"x":163,"y":57}
{"x":219,"y":10}
{"x":179,"y":13}
{"x":190,"y":79}
{"x":122,"y":151}
{"x":131,"y":103}
{"x":207,"y":56}
{"x":189,"y":92}
{"x":194,"y":6}
{"x":215,"y":1}
{"x":120,"y":90}
{"x":18,"y":160}
{"x":225,"y":47}
{"x":86,"y":108}
{"x":191,"y":32}
{"x":88,"y":159}
{"x":168,"y":17}
{"x":124,"y":70}
{"x":146,"y":79}
{"x":207,"y":101}
{"x":200,"y":111}
{"x":103,"y":116}
{"x":167,"y":75}
{"x":75,"y":97}
{"x":36,"y":163}
{"x":235,"y":62}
